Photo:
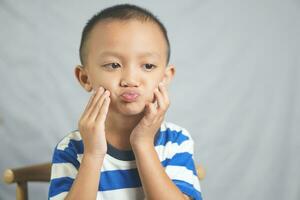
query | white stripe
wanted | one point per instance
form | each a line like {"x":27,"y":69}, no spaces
{"x":65,"y":142}
{"x":123,"y":194}
{"x":110,"y":163}
{"x":59,"y":170}
{"x":79,"y":157}
{"x":60,"y":196}
{"x":170,"y":149}
{"x":183,"y":174}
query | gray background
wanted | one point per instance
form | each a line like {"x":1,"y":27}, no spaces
{"x":236,"y":89}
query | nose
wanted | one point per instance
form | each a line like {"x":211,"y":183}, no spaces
{"x":129,"y":77}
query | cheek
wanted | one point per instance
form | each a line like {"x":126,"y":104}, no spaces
{"x":109,"y":85}
{"x":150,"y":94}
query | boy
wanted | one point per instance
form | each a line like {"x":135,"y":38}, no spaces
{"x":124,"y":149}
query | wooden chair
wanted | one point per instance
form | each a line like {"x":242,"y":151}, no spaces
{"x":41,"y":173}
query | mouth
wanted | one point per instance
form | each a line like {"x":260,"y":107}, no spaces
{"x":130,"y":96}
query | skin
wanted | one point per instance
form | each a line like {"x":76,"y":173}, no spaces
{"x":124,"y":125}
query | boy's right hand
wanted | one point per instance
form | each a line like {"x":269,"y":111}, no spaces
{"x":92,"y":124}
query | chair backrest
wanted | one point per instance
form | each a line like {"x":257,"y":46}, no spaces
{"x":41,"y":173}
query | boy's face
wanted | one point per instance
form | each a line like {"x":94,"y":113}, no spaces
{"x":126,"y":56}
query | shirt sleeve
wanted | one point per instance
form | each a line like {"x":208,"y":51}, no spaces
{"x":181,"y":167}
{"x":63,"y":171}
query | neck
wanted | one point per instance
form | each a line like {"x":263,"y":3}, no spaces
{"x":118,"y":128}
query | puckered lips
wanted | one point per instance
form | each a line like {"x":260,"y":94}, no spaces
{"x":130,"y":95}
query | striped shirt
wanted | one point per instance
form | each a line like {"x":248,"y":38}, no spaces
{"x":119,"y":175}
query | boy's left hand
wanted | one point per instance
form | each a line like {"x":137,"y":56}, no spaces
{"x":146,"y":129}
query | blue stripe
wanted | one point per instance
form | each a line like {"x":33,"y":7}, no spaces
{"x":118,"y":179}
{"x":181,"y":159}
{"x":109,"y":180}
{"x":78,"y":145}
{"x":60,"y":185}
{"x":163,"y":137}
{"x":75,"y":144}
{"x":66,"y":156}
{"x":171,"y":135}
{"x":188,"y":189}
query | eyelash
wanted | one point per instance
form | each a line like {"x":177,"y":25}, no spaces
{"x":110,"y":64}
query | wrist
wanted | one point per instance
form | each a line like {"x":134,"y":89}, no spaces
{"x":141,"y":145}
{"x":93,"y":157}
{"x":141,"y":141}
{"x":92,"y":162}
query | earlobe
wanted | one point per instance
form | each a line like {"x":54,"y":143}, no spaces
{"x":83,"y":78}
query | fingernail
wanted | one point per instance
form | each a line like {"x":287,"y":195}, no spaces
{"x":100,"y":89}
{"x":107,"y":92}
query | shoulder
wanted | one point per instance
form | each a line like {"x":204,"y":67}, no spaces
{"x":174,"y":132}
{"x":68,"y":150}
{"x":71,"y":140}
{"x":173,"y":139}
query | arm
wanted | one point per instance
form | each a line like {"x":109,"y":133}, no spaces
{"x":70,"y":183}
{"x":92,"y":126}
{"x":156,"y":183}
{"x":89,"y":172}
{"x":87,"y":178}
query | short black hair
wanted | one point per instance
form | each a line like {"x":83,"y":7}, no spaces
{"x":120,"y":12}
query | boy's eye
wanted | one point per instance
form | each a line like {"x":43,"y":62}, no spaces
{"x":112,"y":65}
{"x":149,"y":67}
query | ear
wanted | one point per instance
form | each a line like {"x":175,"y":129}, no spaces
{"x":83,"y":78}
{"x":168,"y":75}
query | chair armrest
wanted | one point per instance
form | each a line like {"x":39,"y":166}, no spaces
{"x":38,"y":172}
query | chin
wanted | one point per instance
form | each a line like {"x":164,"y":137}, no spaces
{"x":131,"y":108}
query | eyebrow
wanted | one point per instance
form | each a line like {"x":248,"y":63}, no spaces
{"x":116,"y":54}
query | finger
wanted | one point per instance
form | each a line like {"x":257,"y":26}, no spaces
{"x":93,"y":99}
{"x":102,"y":114}
{"x":164,"y":92}
{"x":150,"y":111}
{"x":97,"y":106}
{"x":160,"y":99}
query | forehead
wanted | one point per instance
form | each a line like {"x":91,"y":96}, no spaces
{"x":130,"y":37}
